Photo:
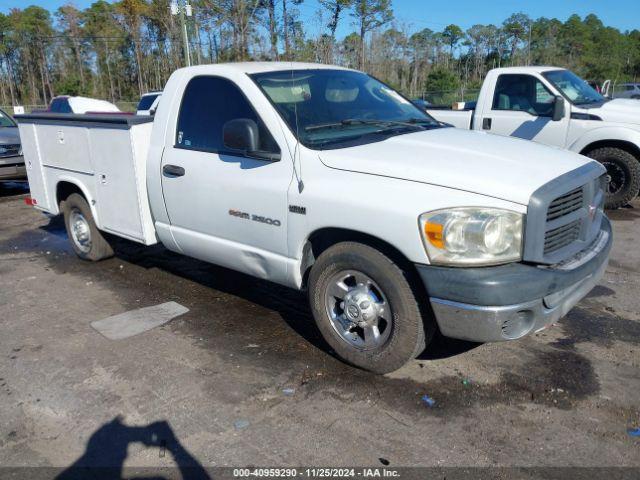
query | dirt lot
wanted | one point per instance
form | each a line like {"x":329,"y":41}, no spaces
{"x":209,"y":385}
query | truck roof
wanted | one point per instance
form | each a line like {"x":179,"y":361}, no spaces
{"x":534,"y":69}
{"x":260,"y":67}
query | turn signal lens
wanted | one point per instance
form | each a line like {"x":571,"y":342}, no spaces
{"x":433,"y":231}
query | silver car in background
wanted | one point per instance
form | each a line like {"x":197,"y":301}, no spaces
{"x":627,"y":90}
{"x":11,"y":159}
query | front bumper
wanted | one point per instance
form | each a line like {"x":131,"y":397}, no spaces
{"x":507,"y":302}
{"x":12,"y":168}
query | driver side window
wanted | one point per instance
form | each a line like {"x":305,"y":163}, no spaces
{"x":207,"y":104}
{"x":523,"y":93}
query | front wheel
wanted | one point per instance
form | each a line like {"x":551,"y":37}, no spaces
{"x":86,"y":239}
{"x":623,"y":170}
{"x":365,"y":308}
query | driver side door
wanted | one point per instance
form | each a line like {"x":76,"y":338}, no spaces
{"x":224,"y":206}
{"x":522,"y":107}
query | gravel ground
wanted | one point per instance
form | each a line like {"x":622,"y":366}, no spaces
{"x":210,"y":386}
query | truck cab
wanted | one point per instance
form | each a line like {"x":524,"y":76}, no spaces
{"x":555,"y":107}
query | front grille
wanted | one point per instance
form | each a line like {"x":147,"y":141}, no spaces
{"x":9,"y":150}
{"x":564,"y":216}
{"x":565,"y":204}
{"x":561,"y":237}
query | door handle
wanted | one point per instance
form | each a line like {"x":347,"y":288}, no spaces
{"x":486,"y":124}
{"x":173,"y":171}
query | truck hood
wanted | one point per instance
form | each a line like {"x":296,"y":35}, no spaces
{"x":500,"y":167}
{"x":619,"y":110}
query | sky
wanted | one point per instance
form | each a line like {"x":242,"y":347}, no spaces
{"x":419,"y":14}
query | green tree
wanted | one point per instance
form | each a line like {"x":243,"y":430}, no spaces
{"x":441,"y":80}
{"x":369,"y":15}
{"x":335,"y":8}
{"x":70,"y":23}
{"x":453,"y":34}
{"x":517,"y":29}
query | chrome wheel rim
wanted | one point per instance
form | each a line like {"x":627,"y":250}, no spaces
{"x":358,"y":310}
{"x":80,"y":230}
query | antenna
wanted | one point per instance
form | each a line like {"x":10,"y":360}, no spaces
{"x":296,"y":150}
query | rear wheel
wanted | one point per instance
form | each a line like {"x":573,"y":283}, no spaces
{"x":623,"y":170}
{"x":365,"y":308}
{"x":86,"y":239}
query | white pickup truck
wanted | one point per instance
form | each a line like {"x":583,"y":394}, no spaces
{"x":324,"y":179}
{"x":555,"y":107}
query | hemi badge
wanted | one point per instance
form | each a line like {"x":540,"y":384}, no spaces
{"x":298,"y":209}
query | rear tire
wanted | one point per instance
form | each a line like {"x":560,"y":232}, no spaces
{"x":344,"y":282}
{"x":85,"y":238}
{"x":624,"y":173}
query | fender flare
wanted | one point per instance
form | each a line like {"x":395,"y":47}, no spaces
{"x":613,"y":134}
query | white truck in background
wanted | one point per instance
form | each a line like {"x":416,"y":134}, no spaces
{"x":555,"y":107}
{"x":324,"y":179}
{"x":148,"y":103}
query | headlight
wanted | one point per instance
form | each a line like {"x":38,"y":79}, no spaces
{"x":472,"y":236}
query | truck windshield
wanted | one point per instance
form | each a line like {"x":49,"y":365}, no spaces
{"x":575,"y":89}
{"x":5,"y":120}
{"x":329,"y":109}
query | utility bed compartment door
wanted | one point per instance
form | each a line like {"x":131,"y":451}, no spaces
{"x":33,"y":165}
{"x":117,"y":179}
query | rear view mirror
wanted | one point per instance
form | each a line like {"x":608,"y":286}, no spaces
{"x":243,"y":135}
{"x":558,"y":109}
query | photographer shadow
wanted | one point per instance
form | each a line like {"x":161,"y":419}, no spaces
{"x":106,"y":453}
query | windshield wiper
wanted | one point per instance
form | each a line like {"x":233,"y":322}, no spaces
{"x":412,"y":123}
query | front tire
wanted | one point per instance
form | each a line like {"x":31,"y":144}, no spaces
{"x":365,"y":308}
{"x":85,"y":238}
{"x":623,"y":170}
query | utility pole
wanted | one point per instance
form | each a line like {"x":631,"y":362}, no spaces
{"x":529,"y":44}
{"x":183,"y":9}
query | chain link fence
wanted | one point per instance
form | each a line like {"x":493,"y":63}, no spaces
{"x":27,"y":108}
{"x":442,"y":97}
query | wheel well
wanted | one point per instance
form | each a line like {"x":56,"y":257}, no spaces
{"x":628,"y":147}
{"x":322,"y":239}
{"x":64,"y":189}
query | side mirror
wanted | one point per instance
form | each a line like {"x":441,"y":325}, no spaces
{"x":242,"y":135}
{"x":558,"y":109}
